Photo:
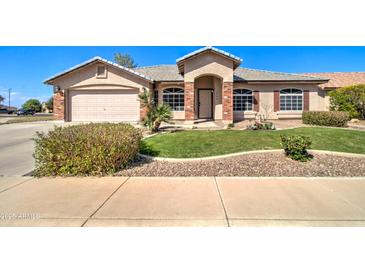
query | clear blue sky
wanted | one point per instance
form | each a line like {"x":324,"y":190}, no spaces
{"x":24,"y":68}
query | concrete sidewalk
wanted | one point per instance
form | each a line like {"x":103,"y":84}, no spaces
{"x":193,"y":201}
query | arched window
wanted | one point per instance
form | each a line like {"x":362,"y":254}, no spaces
{"x":242,"y":100}
{"x":291,"y":99}
{"x":174,"y":97}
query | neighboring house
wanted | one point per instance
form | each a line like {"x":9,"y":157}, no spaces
{"x":44,"y":108}
{"x":338,"y":80}
{"x":7,"y":108}
{"x":205,"y":84}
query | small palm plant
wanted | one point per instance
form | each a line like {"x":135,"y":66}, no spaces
{"x":155,"y":114}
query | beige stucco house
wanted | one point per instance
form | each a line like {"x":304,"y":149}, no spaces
{"x":205,"y":84}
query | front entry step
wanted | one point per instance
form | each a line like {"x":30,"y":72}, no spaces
{"x":199,"y":121}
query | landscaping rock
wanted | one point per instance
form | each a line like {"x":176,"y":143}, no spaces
{"x":258,"y":164}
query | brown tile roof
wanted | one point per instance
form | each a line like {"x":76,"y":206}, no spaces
{"x":340,"y":79}
{"x":171,"y":73}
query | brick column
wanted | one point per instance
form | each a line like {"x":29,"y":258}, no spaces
{"x":142,"y":111}
{"x":59,"y":105}
{"x":189,"y":101}
{"x":227,"y":102}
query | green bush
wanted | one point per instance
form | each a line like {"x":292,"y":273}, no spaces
{"x":295,"y":147}
{"x":88,"y":149}
{"x":261,"y":126}
{"x":350,"y":99}
{"x":326,"y":118}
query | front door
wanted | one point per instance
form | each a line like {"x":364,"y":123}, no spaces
{"x":205,"y":103}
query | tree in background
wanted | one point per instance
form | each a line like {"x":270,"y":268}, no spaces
{"x":32,"y":104}
{"x":350,"y":99}
{"x":49,"y":104}
{"x":125,"y":60}
{"x":1,"y":99}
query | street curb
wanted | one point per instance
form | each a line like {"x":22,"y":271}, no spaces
{"x":152,"y":158}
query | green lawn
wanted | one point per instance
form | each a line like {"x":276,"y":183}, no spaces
{"x":197,"y":143}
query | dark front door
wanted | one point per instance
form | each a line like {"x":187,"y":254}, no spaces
{"x":205,"y":103}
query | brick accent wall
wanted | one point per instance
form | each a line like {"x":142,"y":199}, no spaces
{"x":306,"y":100}
{"x":276,"y":100}
{"x":227,"y":101}
{"x":189,"y":101}
{"x":142,"y":110}
{"x":256,"y":101}
{"x":59,"y":105}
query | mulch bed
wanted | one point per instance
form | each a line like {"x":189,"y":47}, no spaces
{"x":259,"y":164}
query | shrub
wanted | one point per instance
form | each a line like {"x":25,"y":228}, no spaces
{"x":326,"y":118}
{"x":155,"y":114}
{"x":261,"y":126}
{"x":350,"y":99}
{"x":296,"y":147}
{"x":89,"y":149}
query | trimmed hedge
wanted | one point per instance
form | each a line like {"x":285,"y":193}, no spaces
{"x":88,"y":149}
{"x":326,"y":118}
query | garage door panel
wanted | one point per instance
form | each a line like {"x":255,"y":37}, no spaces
{"x":118,"y":105}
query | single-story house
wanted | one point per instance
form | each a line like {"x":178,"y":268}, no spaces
{"x":7,"y":108}
{"x":206,"y":84}
{"x":338,"y":80}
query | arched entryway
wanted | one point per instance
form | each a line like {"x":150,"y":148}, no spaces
{"x":208,"y":97}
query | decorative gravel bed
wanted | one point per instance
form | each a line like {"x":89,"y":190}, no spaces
{"x":259,"y":164}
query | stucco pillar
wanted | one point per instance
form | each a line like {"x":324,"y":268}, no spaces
{"x":59,"y":105}
{"x":306,"y":100}
{"x":227,"y":102}
{"x":189,"y":101}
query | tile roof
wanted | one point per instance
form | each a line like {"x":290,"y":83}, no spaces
{"x":95,"y":59}
{"x":340,"y":79}
{"x":209,"y":48}
{"x":162,"y":72}
{"x":171,"y":73}
{"x":255,"y":75}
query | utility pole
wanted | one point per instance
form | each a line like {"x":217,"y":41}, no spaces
{"x":9,"y":99}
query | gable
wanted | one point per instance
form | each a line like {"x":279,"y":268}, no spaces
{"x":86,"y":76}
{"x":208,"y":63}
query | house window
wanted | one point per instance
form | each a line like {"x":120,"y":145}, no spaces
{"x":291,"y":99}
{"x":100,"y":72}
{"x":242,"y":100}
{"x":174,"y":97}
{"x":155,"y":97}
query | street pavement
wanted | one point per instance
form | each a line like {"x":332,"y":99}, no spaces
{"x":17,"y":146}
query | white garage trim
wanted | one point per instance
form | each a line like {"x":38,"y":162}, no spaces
{"x":104,"y":105}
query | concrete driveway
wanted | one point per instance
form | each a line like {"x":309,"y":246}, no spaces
{"x":192,"y":201}
{"x":17,"y":146}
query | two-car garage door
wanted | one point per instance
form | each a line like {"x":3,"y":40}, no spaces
{"x":100,"y":105}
